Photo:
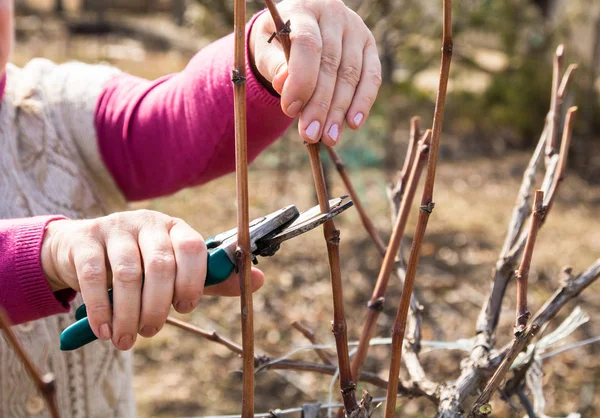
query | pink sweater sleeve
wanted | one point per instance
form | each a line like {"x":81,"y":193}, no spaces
{"x":24,"y":292}
{"x":157,"y":137}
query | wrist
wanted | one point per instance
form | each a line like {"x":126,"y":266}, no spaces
{"x":47,"y":259}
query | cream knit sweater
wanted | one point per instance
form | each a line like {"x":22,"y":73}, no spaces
{"x":50,"y":164}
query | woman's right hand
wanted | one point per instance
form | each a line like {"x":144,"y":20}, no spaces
{"x":94,"y":255}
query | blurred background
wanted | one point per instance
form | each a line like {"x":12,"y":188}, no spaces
{"x":498,"y":98}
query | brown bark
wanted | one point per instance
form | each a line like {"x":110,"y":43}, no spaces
{"x":425,"y":210}
{"x":243,"y":252}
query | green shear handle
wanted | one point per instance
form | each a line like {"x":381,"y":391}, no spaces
{"x":219,"y":268}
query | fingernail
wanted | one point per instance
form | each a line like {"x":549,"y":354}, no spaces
{"x":313,"y":130}
{"x":358,"y":119}
{"x":148,"y":331}
{"x":105,"y":332}
{"x":125,"y":342}
{"x":294,"y":108}
{"x":184,"y":306}
{"x":334,"y":131}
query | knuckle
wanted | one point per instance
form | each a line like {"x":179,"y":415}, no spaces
{"x":128,"y":273}
{"x":375,"y":76}
{"x":351,"y":74}
{"x":323,"y":105}
{"x":330,"y":62}
{"x":97,"y":308}
{"x":91,"y":271}
{"x":192,"y":245}
{"x":367,"y":101}
{"x":310,"y":42}
{"x":161,"y":263}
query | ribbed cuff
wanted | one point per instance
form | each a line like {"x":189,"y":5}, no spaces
{"x":30,"y":274}
{"x":2,"y":83}
{"x":255,"y":90}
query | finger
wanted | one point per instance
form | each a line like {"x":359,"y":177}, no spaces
{"x":231,"y":286}
{"x":90,"y":266}
{"x":315,"y":112}
{"x":160,"y":270}
{"x":367,"y":89}
{"x":126,"y":266}
{"x":190,"y":256}
{"x":303,"y":66}
{"x":346,"y":84}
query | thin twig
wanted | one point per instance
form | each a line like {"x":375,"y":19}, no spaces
{"x":555,"y":102}
{"x":209,"y":335}
{"x":378,"y":296}
{"x":243,"y":252}
{"x":364,"y":218}
{"x":46,"y":384}
{"x":567,"y":77}
{"x":310,"y":336}
{"x":332,"y":238}
{"x":397,"y":189}
{"x":564,"y":154}
{"x":482,"y":408}
{"x":404,"y":389}
{"x":522,"y":275}
{"x":424,"y":212}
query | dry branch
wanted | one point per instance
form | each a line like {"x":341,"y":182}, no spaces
{"x":332,"y":238}
{"x":310,"y":336}
{"x":555,"y":102}
{"x":46,"y":384}
{"x":396,"y":190}
{"x":522,"y":275}
{"x":425,"y":210}
{"x":453,"y":396}
{"x":377,"y":299}
{"x":482,"y":408}
{"x":243,"y":252}
{"x":364,"y":218}
{"x":209,"y":335}
{"x":564,"y":154}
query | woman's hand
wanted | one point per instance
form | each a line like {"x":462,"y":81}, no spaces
{"x":93,"y":255}
{"x":334,"y":71}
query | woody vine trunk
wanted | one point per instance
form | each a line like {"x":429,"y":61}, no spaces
{"x":332,"y":238}
{"x":238,"y":78}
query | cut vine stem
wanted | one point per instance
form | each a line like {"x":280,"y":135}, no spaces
{"x":332,"y":239}
{"x":375,"y":305}
{"x":238,"y":78}
{"x":45,"y":383}
{"x":522,"y":274}
{"x":424,"y":212}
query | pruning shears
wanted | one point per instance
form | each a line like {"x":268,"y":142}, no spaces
{"x":266,"y":235}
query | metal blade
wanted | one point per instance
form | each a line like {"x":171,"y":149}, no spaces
{"x":307,"y":221}
{"x":259,"y":228}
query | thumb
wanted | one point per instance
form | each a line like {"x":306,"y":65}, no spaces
{"x":231,"y":286}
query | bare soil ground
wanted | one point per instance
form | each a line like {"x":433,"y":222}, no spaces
{"x":180,"y":375}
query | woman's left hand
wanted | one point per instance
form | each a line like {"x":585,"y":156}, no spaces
{"x":333,"y":73}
